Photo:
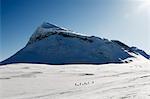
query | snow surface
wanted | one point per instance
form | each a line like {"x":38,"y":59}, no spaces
{"x":109,"y":81}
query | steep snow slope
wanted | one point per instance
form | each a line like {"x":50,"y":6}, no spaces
{"x":51,"y":44}
{"x":109,"y":81}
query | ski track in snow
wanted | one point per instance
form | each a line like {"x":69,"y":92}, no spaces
{"x":110,"y":81}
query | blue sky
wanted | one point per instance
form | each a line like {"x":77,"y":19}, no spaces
{"x":124,"y":20}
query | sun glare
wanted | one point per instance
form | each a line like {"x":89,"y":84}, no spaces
{"x":146,"y":3}
{"x":144,"y":6}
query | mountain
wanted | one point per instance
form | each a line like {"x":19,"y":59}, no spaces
{"x":51,"y":44}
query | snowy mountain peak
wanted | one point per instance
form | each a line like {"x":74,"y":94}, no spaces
{"x":48,"y":25}
{"x":45,"y":30}
{"x":50,"y":44}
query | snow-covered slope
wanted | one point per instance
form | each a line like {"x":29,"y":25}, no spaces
{"x":108,"y":81}
{"x":51,"y":44}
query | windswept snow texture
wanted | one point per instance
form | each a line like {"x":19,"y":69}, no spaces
{"x":51,"y":44}
{"x":109,"y":81}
